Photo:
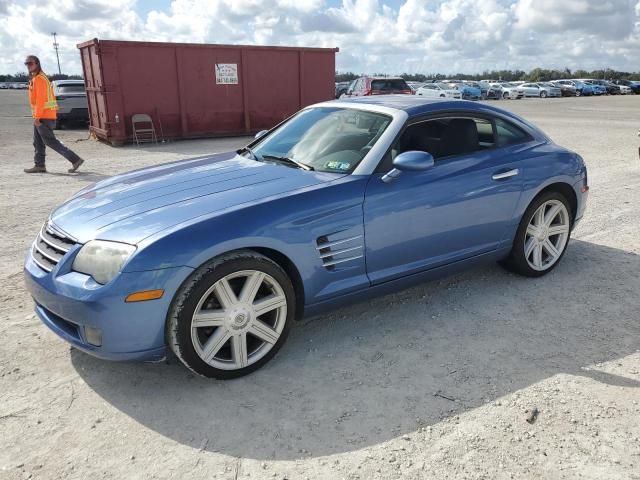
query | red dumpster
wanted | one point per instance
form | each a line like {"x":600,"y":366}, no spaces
{"x":200,"y":90}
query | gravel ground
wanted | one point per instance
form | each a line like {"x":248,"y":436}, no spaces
{"x":432,"y":382}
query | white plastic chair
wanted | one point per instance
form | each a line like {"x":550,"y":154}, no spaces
{"x":143,"y":129}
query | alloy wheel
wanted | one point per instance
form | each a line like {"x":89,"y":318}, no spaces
{"x":547,"y":235}
{"x":239,"y":320}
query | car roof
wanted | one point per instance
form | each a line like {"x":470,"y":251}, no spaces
{"x":63,"y":82}
{"x":416,"y":105}
{"x":382,"y":78}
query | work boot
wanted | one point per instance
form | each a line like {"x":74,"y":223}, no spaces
{"x":75,"y":166}
{"x":36,"y":169}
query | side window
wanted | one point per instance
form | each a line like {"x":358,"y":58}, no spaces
{"x":509,"y":134}
{"x":443,"y":138}
{"x":485,"y":133}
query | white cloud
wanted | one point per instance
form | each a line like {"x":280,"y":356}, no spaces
{"x":418,"y":36}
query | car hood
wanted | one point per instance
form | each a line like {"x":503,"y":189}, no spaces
{"x":130,"y":207}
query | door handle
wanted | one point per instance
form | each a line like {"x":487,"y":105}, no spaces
{"x":504,"y":175}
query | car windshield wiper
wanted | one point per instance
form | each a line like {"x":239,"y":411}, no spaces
{"x":289,"y":161}
{"x":251,"y":152}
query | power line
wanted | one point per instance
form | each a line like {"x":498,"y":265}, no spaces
{"x":55,"y":46}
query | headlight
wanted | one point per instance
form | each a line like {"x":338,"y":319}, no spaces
{"x":101,"y":259}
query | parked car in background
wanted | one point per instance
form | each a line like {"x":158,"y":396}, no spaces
{"x":511,"y":91}
{"x":565,"y":90}
{"x":581,"y":88}
{"x":365,"y":86}
{"x":414,"y":86}
{"x":540,"y":90}
{"x":341,"y":88}
{"x":4,"y":86}
{"x":597,"y":88}
{"x":214,"y":258}
{"x":612,"y":89}
{"x":468,"y":92}
{"x":438,"y":90}
{"x":484,"y":88}
{"x":634,"y":86}
{"x":71,"y":97}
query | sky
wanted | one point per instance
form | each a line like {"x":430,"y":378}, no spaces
{"x":374,"y":36}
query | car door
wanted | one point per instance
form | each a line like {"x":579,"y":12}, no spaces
{"x":460,"y":208}
{"x":428,"y":90}
{"x":529,"y":90}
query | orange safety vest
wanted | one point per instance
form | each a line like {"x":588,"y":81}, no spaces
{"x":41,"y":97}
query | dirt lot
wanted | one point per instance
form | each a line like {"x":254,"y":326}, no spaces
{"x":432,"y":382}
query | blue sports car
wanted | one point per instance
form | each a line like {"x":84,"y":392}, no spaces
{"x":215,"y":257}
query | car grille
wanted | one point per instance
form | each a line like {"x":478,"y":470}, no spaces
{"x":335,"y":249}
{"x":50,"y":246}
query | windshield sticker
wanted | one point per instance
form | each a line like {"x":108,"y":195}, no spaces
{"x":338,"y":165}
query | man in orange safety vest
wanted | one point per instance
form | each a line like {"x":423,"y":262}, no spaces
{"x":44,"y":109}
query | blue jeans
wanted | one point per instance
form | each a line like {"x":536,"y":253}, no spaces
{"x":43,"y":137}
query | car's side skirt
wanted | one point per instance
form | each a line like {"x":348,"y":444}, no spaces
{"x":406,"y":282}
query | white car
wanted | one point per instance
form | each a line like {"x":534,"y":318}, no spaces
{"x":438,"y":90}
{"x":510,"y":91}
{"x":71,"y":97}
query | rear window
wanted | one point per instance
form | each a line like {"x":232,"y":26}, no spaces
{"x":71,"y":88}
{"x":389,"y":84}
{"x":509,"y":134}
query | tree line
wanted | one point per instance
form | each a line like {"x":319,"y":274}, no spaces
{"x":535,"y":75}
{"x":23,"y":77}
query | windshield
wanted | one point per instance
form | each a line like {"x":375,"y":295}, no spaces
{"x":328,"y":139}
{"x":389,"y":84}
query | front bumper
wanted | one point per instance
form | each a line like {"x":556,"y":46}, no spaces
{"x":79,"y":114}
{"x":581,"y":197}
{"x":68,"y":302}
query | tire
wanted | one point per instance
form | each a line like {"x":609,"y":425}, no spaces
{"x":227,"y":345}
{"x":578,"y":93}
{"x":505,"y":95}
{"x":543,"y":94}
{"x":518,"y":261}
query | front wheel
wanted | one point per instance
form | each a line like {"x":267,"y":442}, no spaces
{"x":232,"y":315}
{"x":543,"y":94}
{"x":505,"y":95}
{"x":542,"y":236}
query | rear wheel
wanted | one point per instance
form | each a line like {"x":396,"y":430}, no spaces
{"x":542,"y":237}
{"x":232,"y":315}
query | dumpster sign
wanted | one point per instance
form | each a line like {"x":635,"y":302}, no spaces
{"x":226,"y":73}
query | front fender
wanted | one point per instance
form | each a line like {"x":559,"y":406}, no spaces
{"x":289,"y":226}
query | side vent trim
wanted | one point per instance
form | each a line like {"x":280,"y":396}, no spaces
{"x":331,"y":256}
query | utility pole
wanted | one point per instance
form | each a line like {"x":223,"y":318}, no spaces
{"x":55,"y":47}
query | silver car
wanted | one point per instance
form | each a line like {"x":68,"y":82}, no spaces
{"x":72,"y":101}
{"x":510,"y":90}
{"x":541,"y":90}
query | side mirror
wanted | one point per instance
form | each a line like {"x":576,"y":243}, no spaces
{"x":412,"y":161}
{"x":260,"y":134}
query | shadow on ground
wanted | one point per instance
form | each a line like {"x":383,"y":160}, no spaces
{"x":201,"y":146}
{"x":368,"y":373}
{"x":82,"y":176}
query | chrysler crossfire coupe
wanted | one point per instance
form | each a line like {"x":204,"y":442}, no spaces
{"x":213,"y":258}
